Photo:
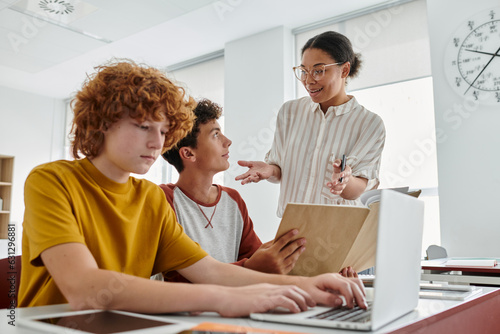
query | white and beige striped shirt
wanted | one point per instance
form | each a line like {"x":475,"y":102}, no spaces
{"x":307,"y":141}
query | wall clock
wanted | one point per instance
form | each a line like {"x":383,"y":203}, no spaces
{"x":472,"y":58}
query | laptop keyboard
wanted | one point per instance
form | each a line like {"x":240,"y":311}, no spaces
{"x":355,"y":314}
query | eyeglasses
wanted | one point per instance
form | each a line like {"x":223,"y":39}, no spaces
{"x":317,"y":72}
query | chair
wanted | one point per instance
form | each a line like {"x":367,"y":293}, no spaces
{"x":10,"y":275}
{"x":436,"y":252}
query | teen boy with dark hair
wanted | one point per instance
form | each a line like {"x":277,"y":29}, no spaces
{"x":93,"y":235}
{"x":215,"y":216}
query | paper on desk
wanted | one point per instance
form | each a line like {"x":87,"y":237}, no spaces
{"x":448,"y":294}
{"x":471,"y":263}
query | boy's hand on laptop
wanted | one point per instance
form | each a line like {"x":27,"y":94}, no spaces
{"x":259,"y":298}
{"x":327,"y":289}
{"x":277,"y":256}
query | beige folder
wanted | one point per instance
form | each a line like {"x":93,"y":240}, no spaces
{"x":337,"y":236}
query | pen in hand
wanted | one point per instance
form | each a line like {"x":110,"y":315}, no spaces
{"x":342,"y":167}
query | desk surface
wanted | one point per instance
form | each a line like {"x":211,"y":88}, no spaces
{"x":430,"y":315}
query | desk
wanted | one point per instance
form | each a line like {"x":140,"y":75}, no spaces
{"x":478,"y":315}
{"x":436,"y":270}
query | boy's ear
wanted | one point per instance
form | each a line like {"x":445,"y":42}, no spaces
{"x":186,"y":153}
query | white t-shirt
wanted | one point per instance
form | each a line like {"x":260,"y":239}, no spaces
{"x":222,"y":228}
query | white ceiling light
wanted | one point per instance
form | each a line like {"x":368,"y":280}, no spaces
{"x":57,"y":7}
{"x":55,"y":11}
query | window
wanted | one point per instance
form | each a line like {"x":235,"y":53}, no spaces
{"x":409,"y":157}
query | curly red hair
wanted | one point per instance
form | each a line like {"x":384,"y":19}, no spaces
{"x":125,"y":88}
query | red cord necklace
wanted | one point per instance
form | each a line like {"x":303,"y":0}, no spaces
{"x":204,"y":215}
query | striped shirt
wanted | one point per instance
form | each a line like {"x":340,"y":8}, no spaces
{"x":307,"y":141}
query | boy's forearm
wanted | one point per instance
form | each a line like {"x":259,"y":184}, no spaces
{"x":135,"y":294}
{"x":165,"y":297}
{"x":215,"y":272}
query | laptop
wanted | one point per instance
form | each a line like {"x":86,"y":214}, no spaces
{"x":397,"y":272}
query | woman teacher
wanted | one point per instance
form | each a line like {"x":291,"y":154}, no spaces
{"x":314,"y":132}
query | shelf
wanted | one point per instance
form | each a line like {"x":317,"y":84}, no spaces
{"x":6,"y":176}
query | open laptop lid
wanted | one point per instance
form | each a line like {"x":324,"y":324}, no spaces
{"x":399,"y":252}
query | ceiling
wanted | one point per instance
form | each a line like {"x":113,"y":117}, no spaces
{"x":47,"y":46}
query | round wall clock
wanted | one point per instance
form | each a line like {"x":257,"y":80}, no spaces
{"x":472,"y":58}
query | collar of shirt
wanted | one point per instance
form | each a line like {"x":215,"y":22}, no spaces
{"x":338,"y":110}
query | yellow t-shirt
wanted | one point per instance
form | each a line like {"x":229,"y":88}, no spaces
{"x":128,"y":228}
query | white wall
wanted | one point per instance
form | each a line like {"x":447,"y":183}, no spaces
{"x":258,"y":79}
{"x":31,"y":130}
{"x":468,"y":145}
